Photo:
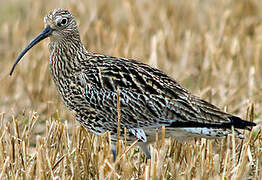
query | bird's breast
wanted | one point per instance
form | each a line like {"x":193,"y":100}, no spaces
{"x":62,"y":72}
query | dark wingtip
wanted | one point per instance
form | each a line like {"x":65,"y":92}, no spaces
{"x":240,"y":123}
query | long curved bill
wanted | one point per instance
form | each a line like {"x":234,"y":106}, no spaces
{"x":44,"y":34}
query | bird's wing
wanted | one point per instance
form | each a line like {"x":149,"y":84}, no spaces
{"x":148,"y":96}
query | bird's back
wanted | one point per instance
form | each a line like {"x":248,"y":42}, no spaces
{"x":149,"y":99}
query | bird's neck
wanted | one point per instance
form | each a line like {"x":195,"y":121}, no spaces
{"x":64,"y":56}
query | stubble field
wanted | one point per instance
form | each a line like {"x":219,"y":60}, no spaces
{"x":213,"y":48}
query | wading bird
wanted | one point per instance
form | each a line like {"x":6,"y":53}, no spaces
{"x":149,"y":99}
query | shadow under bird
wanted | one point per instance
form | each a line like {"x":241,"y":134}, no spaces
{"x":149,"y":99}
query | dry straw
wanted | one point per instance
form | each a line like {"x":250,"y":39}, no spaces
{"x":212,"y":47}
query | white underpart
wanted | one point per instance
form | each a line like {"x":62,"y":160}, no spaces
{"x":139,"y":133}
{"x":185,"y":133}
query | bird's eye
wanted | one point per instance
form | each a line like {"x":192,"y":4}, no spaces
{"x":62,"y":22}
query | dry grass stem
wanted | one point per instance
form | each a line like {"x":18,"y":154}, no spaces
{"x":213,"y":48}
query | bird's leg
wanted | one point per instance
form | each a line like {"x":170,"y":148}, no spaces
{"x":145,"y":148}
{"x":113,"y":149}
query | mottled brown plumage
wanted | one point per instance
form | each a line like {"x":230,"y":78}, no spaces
{"x":149,"y":98}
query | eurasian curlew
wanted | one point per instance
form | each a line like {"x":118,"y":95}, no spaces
{"x":149,"y":99}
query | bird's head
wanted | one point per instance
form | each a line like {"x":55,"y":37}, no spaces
{"x":60,"y":26}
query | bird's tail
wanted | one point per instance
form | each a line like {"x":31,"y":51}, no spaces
{"x":240,"y":123}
